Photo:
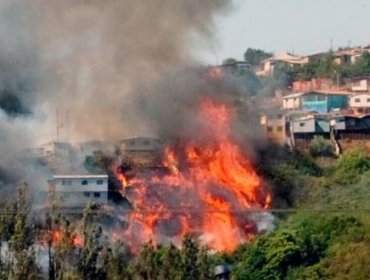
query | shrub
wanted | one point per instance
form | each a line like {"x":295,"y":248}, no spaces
{"x":321,"y":147}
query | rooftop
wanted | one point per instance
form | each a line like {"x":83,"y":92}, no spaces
{"x":80,"y":176}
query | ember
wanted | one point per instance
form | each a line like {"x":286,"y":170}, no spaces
{"x":208,"y":188}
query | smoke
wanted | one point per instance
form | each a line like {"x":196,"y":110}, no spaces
{"x":169,"y":108}
{"x":101,"y":52}
{"x":87,"y":58}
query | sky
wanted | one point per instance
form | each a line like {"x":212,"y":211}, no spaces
{"x":298,"y":26}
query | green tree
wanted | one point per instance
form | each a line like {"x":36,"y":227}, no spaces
{"x":171,"y":264}
{"x":118,"y":263}
{"x":24,"y":265}
{"x":147,"y":264}
{"x":189,"y":259}
{"x":229,"y":60}
{"x":90,"y":265}
{"x":255,"y":56}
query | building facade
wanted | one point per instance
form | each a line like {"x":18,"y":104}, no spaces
{"x":324,"y":101}
{"x":292,"y":101}
{"x":141,"y":151}
{"x":360,"y":103}
{"x":77,"y":190}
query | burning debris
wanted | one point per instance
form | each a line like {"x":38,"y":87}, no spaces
{"x":208,"y":189}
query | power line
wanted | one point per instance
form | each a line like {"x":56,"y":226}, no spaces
{"x":187,"y":211}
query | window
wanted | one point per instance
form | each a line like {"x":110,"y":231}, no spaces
{"x":66,"y":182}
{"x":279,"y":128}
{"x":368,"y":100}
{"x":357,"y":100}
{"x":360,"y":110}
{"x":96,"y":194}
{"x":84,"y":182}
{"x":302,"y":124}
{"x":269,"y":129}
{"x":99,"y":182}
{"x":86,"y":194}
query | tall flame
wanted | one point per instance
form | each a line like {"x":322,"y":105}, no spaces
{"x":208,"y":187}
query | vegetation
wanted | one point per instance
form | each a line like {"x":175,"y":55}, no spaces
{"x":325,"y":236}
{"x":255,"y":56}
{"x":321,"y":147}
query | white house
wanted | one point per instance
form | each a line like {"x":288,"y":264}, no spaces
{"x":360,"y":84}
{"x":360,"y":103}
{"x":78,"y":190}
{"x":292,"y":101}
{"x":268,"y":65}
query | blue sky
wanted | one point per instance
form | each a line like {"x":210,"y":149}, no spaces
{"x":299,"y":26}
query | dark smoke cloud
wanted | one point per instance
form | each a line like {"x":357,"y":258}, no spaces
{"x":102,"y":51}
{"x":88,"y":58}
{"x":19,"y":65}
{"x":170,"y":107}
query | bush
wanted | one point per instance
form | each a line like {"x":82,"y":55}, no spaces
{"x":321,"y":147}
{"x":350,"y":167}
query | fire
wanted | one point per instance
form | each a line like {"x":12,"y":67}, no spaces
{"x":208,"y":189}
{"x":55,"y":237}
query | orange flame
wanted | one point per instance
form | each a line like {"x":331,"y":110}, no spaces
{"x":209,"y":186}
{"x":54,"y":238}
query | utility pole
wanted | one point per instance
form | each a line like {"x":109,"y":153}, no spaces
{"x":57,"y":123}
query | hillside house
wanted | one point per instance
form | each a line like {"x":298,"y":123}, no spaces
{"x":274,"y":127}
{"x":348,"y":56}
{"x":76,"y":191}
{"x":292,"y":101}
{"x":359,"y":104}
{"x":359,"y":84}
{"x":352,"y":131}
{"x":303,"y":129}
{"x":324,"y":101}
{"x":142,"y":151}
{"x":52,"y":150}
{"x":268,"y":65}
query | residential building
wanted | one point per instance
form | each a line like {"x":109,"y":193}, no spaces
{"x":76,"y":191}
{"x":92,"y":147}
{"x":303,"y":129}
{"x":51,"y":149}
{"x":141,"y":151}
{"x":359,"y":84}
{"x":273,"y":127}
{"x":352,"y":131}
{"x":292,"y":101}
{"x":359,"y":104}
{"x":268,"y":65}
{"x":324,"y":101}
{"x":347,"y":56}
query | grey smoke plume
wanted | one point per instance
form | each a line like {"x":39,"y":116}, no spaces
{"x":88,"y":58}
{"x":102,"y":51}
